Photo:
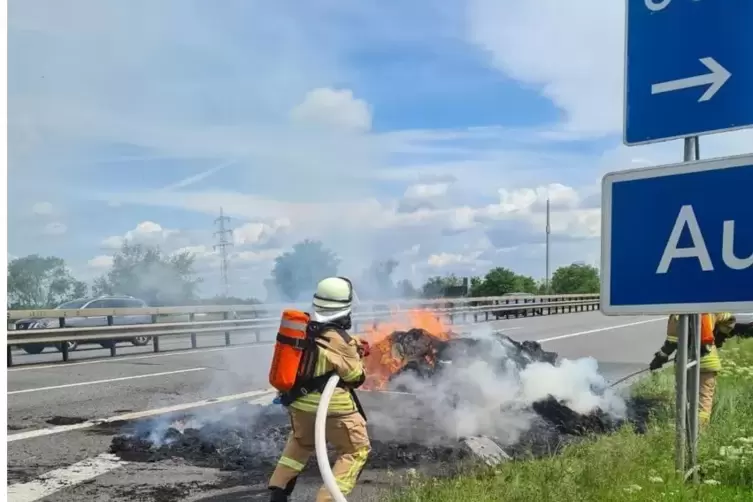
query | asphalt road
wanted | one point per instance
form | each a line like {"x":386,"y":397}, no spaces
{"x":51,"y":457}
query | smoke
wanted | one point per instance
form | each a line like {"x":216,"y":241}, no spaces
{"x":491,"y":390}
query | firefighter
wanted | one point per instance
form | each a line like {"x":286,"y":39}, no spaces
{"x":715,"y":330}
{"x":334,"y":351}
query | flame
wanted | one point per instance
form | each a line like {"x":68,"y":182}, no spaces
{"x":384,"y":360}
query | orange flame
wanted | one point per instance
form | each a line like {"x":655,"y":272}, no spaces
{"x":384,"y":361}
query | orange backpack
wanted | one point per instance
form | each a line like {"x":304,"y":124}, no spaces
{"x":289,"y":350}
{"x":707,"y":329}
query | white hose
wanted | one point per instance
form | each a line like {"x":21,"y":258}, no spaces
{"x":320,"y":440}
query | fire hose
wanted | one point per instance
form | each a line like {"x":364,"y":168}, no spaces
{"x":320,"y":440}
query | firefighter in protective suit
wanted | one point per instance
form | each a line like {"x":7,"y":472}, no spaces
{"x":715,"y":330}
{"x":335,"y":351}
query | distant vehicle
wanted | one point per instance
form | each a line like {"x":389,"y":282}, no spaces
{"x":100,"y":302}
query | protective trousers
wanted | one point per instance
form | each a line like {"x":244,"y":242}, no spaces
{"x":706,"y":398}
{"x":346,"y":433}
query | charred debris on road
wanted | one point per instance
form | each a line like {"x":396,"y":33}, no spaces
{"x":250,"y":437}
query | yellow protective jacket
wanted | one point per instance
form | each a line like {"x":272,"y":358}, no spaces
{"x":339,"y":353}
{"x":724,"y":324}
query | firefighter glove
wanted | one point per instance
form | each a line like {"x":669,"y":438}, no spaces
{"x":364,"y":349}
{"x":660,"y":359}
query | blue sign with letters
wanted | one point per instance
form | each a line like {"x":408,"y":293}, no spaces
{"x":688,"y":68}
{"x":678,"y":238}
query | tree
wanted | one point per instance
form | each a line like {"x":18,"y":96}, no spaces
{"x":376,"y":281}
{"x":575,"y":279}
{"x":41,"y":282}
{"x":438,"y":286}
{"x":499,"y":281}
{"x":146,"y":273}
{"x":298,"y":271}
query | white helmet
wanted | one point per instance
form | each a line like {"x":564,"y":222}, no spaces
{"x":333,"y":299}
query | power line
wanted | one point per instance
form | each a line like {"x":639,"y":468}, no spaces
{"x":223,"y":243}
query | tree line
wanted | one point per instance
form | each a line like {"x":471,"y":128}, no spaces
{"x":161,"y":279}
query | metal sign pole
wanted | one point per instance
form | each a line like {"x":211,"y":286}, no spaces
{"x":681,"y":387}
{"x":688,"y":376}
{"x":694,"y":384}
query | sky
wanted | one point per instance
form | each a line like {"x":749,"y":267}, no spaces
{"x":427,"y":132}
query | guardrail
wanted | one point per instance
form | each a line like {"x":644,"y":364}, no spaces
{"x":204,"y":320}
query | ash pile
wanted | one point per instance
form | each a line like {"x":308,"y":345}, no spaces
{"x":250,"y":438}
{"x":446,"y":390}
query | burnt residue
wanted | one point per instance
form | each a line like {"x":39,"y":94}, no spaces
{"x":252,"y":442}
{"x":60,"y":420}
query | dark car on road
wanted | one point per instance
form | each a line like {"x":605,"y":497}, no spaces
{"x":100,"y":302}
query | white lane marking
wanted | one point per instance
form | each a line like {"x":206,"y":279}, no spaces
{"x":52,"y":481}
{"x":597,"y":330}
{"x":126,"y":358}
{"x":94,"y":382}
{"x":259,"y":397}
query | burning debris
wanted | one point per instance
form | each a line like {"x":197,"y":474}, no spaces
{"x":452,"y":388}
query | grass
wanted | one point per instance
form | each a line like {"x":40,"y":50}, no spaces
{"x":626,"y":466}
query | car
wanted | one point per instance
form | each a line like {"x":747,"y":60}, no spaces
{"x":99,"y":302}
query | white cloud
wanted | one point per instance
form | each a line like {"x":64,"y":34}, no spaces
{"x":422,"y":191}
{"x":146,"y":232}
{"x":442,"y":260}
{"x":333,"y":107}
{"x":55,"y":228}
{"x":101,"y":262}
{"x":255,"y":233}
{"x":42,"y":209}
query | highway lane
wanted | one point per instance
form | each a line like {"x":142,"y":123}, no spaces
{"x":622,"y":345}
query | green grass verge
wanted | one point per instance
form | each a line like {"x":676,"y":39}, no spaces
{"x":626,"y":466}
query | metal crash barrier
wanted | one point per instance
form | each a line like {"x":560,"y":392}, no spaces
{"x":112,"y":325}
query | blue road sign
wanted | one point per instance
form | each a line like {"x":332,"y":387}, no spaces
{"x":678,"y":238}
{"x":688,"y":68}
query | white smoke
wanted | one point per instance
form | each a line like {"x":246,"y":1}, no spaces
{"x":493,"y":396}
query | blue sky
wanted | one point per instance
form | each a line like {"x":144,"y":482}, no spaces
{"x":430,"y":132}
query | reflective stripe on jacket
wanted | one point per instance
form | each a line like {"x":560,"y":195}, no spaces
{"x":334,"y":353}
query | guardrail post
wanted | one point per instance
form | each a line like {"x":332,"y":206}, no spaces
{"x":10,"y":356}
{"x":452,"y":317}
{"x":64,"y":345}
{"x":225,"y":316}
{"x":257,"y":331}
{"x":191,"y":318}
{"x":113,"y":345}
{"x":155,"y":339}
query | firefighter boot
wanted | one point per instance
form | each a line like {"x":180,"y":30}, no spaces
{"x":282,"y":494}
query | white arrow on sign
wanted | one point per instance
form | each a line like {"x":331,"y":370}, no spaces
{"x":715,"y":80}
